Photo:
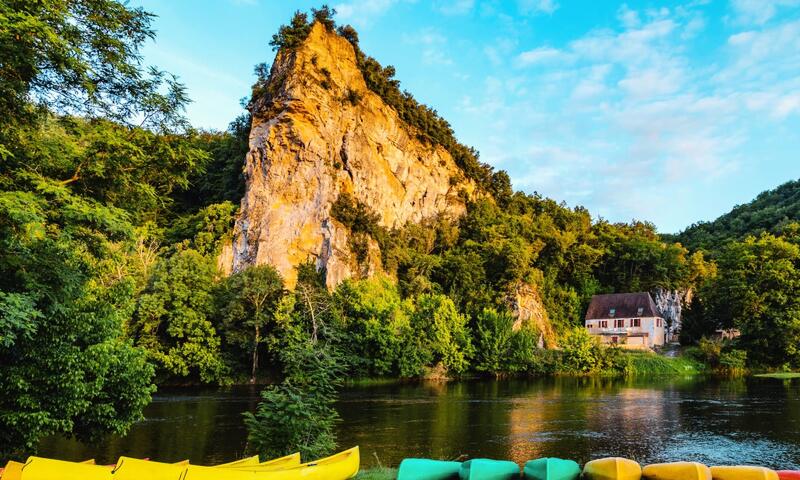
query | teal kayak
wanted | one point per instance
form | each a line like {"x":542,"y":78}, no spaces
{"x":485,"y":469}
{"x":551,"y":469}
{"x":425,"y":469}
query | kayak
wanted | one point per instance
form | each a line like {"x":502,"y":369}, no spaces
{"x":788,"y":474}
{"x":486,"y":469}
{"x":341,"y":466}
{"x":254,"y":460}
{"x":426,"y":469}
{"x":288,"y":461}
{"x":676,"y":471}
{"x":136,"y":469}
{"x":612,"y":468}
{"x":37,"y":468}
{"x":551,"y":469}
{"x":13,"y":471}
{"x":743,"y":473}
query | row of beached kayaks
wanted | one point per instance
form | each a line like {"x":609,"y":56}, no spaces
{"x":341,"y":466}
{"x":602,"y":469}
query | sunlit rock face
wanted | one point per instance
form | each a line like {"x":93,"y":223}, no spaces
{"x":670,"y":304}
{"x":317,"y":131}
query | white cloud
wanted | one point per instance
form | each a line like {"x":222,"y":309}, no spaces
{"x":539,"y":55}
{"x":629,"y":110}
{"x":529,"y":7}
{"x":759,"y":12}
{"x":456,"y":7}
{"x":363,"y":12}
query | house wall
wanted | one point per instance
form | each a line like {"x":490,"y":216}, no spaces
{"x":655,"y":327}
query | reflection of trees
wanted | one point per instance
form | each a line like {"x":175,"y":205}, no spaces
{"x":201,"y":428}
{"x":580,"y":418}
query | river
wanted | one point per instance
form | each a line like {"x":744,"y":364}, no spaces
{"x":710,"y":420}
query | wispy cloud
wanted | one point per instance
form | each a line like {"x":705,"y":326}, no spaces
{"x":625,"y":114}
{"x":539,"y":55}
{"x":759,"y":12}
{"x":538,"y":6}
{"x":362,"y":13}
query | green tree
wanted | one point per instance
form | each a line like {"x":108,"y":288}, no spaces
{"x":493,"y":341}
{"x":64,"y":297}
{"x":438,"y":336}
{"x":755,"y":292}
{"x":173,"y":318}
{"x":376,"y":323}
{"x":81,"y":56}
{"x":248,"y":303}
{"x":298,"y":414}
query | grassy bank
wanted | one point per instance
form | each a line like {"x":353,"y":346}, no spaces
{"x":780,"y":375}
{"x":647,"y":363}
{"x":377,"y":474}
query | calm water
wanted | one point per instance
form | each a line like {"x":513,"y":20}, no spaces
{"x":713,"y":421}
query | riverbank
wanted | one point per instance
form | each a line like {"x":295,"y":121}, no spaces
{"x":377,"y":474}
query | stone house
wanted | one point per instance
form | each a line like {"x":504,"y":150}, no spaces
{"x":630,"y":320}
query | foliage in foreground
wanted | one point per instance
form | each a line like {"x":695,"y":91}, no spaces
{"x":297,"y":415}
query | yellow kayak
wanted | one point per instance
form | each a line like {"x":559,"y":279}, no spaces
{"x":241,"y":463}
{"x":676,"y":471}
{"x":135,"y":469}
{"x":288,"y":461}
{"x":743,"y":473}
{"x":341,"y":466}
{"x":13,"y":471}
{"x":613,"y":468}
{"x":37,"y":468}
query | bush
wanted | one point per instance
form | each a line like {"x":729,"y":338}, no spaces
{"x":733,"y":361}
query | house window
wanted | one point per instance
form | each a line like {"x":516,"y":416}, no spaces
{"x":636,"y":322}
{"x":612,"y":312}
{"x":658,"y":322}
{"x":604,"y":324}
{"x":640,"y":310}
{"x":619,"y":323}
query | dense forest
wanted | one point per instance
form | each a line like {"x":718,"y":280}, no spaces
{"x":772,"y":212}
{"x":113,"y":210}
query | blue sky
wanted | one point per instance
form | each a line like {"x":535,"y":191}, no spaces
{"x":671,"y":112}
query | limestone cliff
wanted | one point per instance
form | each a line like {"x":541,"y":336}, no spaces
{"x":318,"y":131}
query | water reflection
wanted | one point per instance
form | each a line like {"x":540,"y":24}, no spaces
{"x":753,"y":421}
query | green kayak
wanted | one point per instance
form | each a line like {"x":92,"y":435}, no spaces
{"x":485,"y":469}
{"x":551,"y":469}
{"x":425,"y":469}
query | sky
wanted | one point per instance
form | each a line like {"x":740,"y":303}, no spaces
{"x":671,"y":112}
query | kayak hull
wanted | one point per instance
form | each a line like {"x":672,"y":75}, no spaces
{"x":551,"y":469}
{"x":743,"y":472}
{"x":341,"y":466}
{"x":788,"y":474}
{"x":612,"y":468}
{"x":486,"y":469}
{"x":37,"y":468}
{"x":136,"y":469}
{"x":426,"y":469}
{"x":676,"y":471}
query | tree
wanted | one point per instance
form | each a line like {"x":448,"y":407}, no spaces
{"x":81,"y":56}
{"x":755,"y":292}
{"x":65,"y":295}
{"x":438,"y":335}
{"x":376,"y":323}
{"x":249,"y":300}
{"x":173,"y":318}
{"x":298,"y":414}
{"x":493,"y":341}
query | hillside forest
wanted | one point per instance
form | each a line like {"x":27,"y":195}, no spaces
{"x":113,"y":210}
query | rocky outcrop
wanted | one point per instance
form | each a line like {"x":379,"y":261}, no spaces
{"x":670,"y":304}
{"x":317,"y":132}
{"x":526,"y":305}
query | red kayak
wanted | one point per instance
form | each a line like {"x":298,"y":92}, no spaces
{"x":789,"y":474}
